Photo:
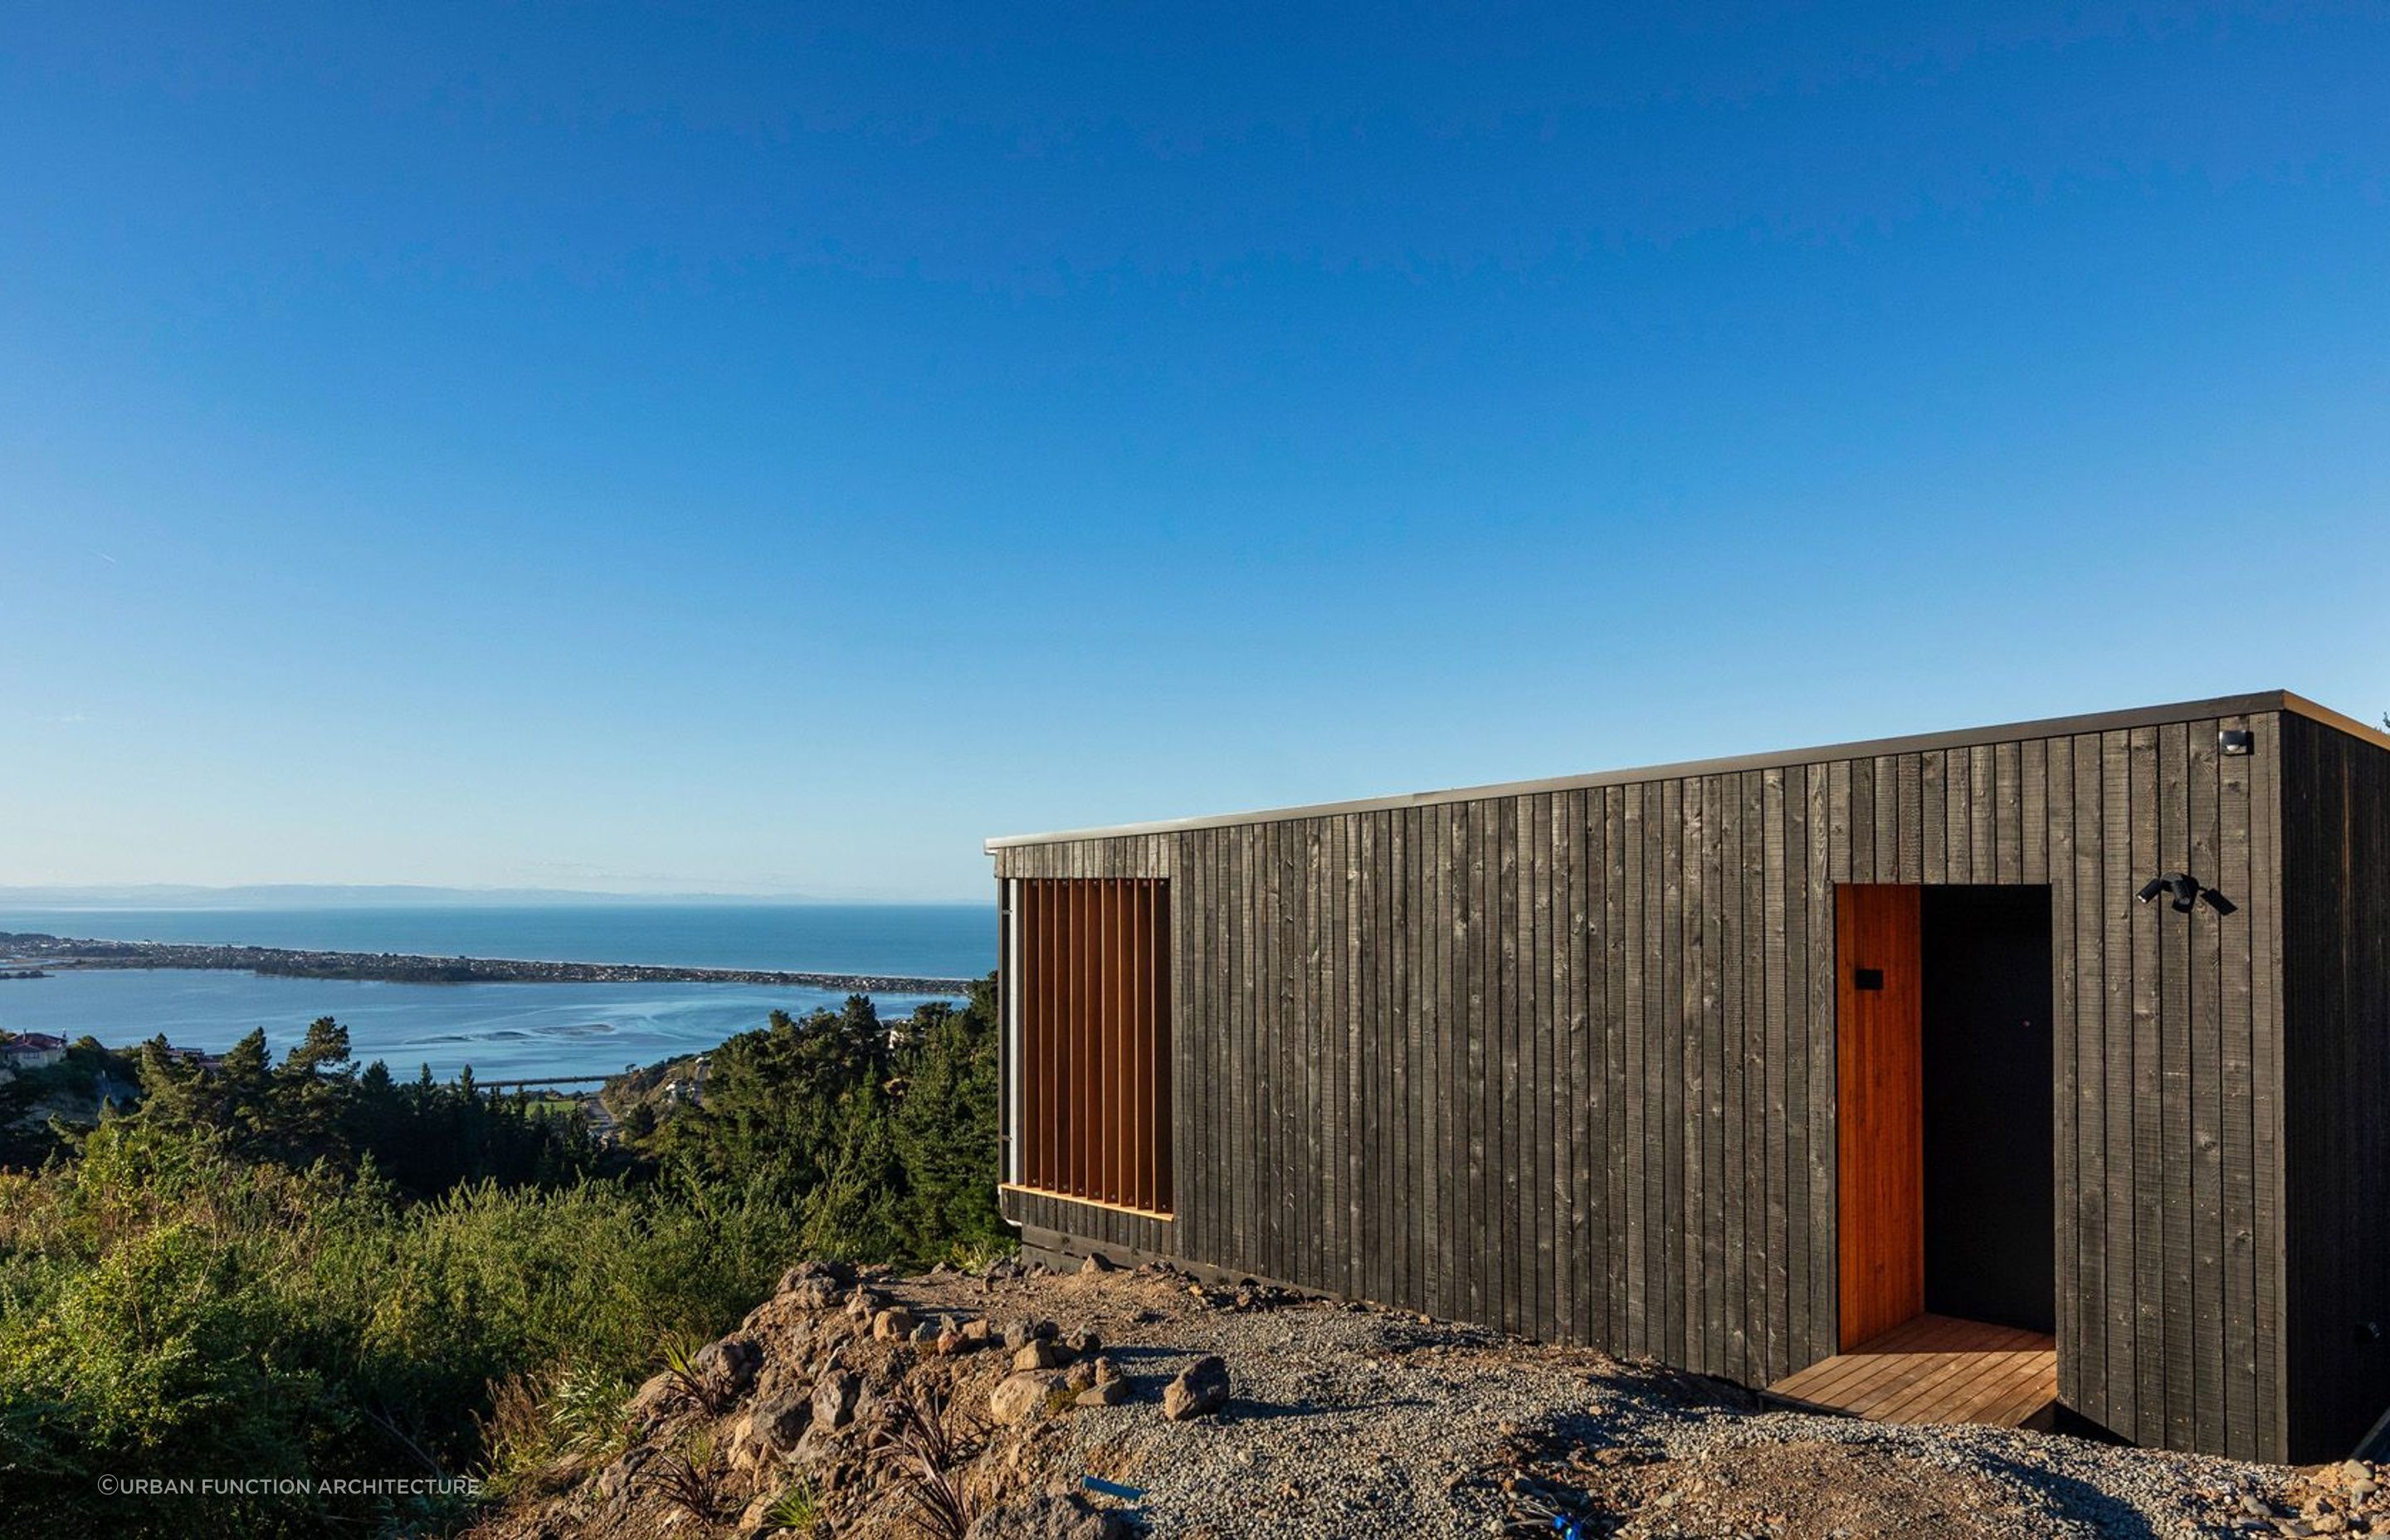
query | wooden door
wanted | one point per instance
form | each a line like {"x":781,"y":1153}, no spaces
{"x":1881,"y":1123}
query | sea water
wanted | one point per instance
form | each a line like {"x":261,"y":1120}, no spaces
{"x":503,"y":1031}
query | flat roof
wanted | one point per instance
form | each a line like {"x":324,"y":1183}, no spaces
{"x":2056,"y":727}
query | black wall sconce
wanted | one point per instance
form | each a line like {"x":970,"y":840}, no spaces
{"x":2187,"y":893}
{"x":2236,"y":742}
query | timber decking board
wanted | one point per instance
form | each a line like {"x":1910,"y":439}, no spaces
{"x":1934,"y":1369}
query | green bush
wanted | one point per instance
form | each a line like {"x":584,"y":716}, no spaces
{"x":274,"y":1274}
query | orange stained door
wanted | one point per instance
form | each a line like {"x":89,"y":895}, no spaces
{"x":1880,"y":1080}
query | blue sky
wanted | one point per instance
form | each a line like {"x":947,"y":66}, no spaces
{"x":680,"y":448}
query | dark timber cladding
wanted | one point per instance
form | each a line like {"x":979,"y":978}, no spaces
{"x":1561,"y":1058}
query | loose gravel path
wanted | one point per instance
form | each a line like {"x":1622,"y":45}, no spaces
{"x":1353,"y":1422}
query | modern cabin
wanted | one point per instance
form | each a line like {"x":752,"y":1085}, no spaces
{"x":2032,"y":1071}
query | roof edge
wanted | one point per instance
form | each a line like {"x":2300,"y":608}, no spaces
{"x":2331,"y":718}
{"x":2055,"y":726}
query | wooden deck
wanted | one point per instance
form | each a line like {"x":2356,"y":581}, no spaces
{"x":1935,"y":1369}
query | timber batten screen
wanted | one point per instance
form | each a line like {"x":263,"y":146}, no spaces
{"x":1094,"y":1004}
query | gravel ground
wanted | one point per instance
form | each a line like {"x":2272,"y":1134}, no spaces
{"x":1353,"y":1422}
{"x":1345,"y":1421}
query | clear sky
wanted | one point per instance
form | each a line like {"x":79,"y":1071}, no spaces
{"x":674,"y":448}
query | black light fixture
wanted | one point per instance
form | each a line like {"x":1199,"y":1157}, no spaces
{"x":2186,"y":893}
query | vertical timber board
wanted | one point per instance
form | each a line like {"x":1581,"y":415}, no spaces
{"x":1802,"y":1338}
{"x":2119,"y":1095}
{"x":1377,"y":1044}
{"x":1957,"y":824}
{"x":2204,"y":1027}
{"x":1467,"y":1206}
{"x":1674,"y":1289}
{"x":2052,"y":770}
{"x":1934,"y":837}
{"x":2143,"y":980}
{"x":1451,"y":1153}
{"x":2270,"y":882}
{"x":1698,"y":1031}
{"x":1729,"y":1177}
{"x":1636,"y":1170}
{"x":1555,"y":1083}
{"x":1754,"y":1349}
{"x":1824,"y":1295}
{"x":1778,"y":1280}
{"x":1621,"y":1112}
{"x":1513,"y":1248}
{"x":2235,"y":1073}
{"x":2173,"y":1036}
{"x":1408,"y":1210}
{"x":2089,"y":1368}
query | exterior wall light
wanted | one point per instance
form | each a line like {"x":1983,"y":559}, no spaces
{"x":2187,"y":893}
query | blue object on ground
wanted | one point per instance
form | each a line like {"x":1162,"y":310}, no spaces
{"x":1110,"y":1489}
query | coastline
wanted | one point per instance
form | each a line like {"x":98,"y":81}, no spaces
{"x":64,"y":954}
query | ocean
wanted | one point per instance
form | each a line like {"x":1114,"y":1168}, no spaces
{"x":502,"y":1031}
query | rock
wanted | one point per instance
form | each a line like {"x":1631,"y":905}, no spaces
{"x":1021,"y":1333}
{"x":757,"y":1518}
{"x":816,"y":1294}
{"x":865,"y":1303}
{"x":615,"y":1481}
{"x":836,"y":1272}
{"x":833,"y":1404}
{"x":781,"y":1421}
{"x":729,"y":1365}
{"x":817,"y":1285}
{"x":1087,"y":1345}
{"x":1080,"y":1376}
{"x":1104,"y":1392}
{"x":1098,"y":1263}
{"x":1200,"y":1389}
{"x":1106,"y":1371}
{"x":894,"y":1324}
{"x":978,"y":1332}
{"x":656,"y":1395}
{"x":1024,"y":1397}
{"x":1048,"y":1516}
{"x":1041,"y":1355}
